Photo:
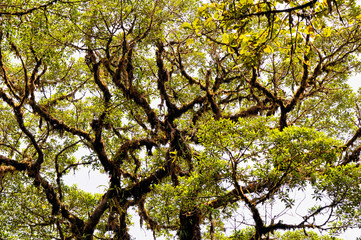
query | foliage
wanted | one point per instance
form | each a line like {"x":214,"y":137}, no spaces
{"x":202,"y":113}
{"x":309,"y":235}
{"x":247,"y":233}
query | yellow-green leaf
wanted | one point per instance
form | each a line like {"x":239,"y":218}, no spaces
{"x":225,"y":38}
{"x":186,"y":25}
{"x":268,"y":49}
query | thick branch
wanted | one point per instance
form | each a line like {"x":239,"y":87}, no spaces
{"x":163,"y":77}
{"x":97,"y":213}
{"x":58,"y":124}
{"x":267,"y":13}
{"x":21,"y":13}
{"x":121,"y":75}
{"x":19,"y":166}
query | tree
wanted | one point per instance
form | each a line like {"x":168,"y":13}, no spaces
{"x":198,"y":112}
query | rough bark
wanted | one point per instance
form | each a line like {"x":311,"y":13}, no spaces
{"x":190,"y":225}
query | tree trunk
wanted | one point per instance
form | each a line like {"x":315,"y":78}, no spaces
{"x":117,"y":224}
{"x":189,"y":225}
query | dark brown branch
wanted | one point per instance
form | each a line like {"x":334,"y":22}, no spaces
{"x":144,"y":186}
{"x":18,"y":166}
{"x":94,"y":218}
{"x":184,"y":73}
{"x":133,"y":145}
{"x":95,"y":69}
{"x":20,"y":119}
{"x":143,"y":35}
{"x":151,"y":223}
{"x":254,"y":83}
{"x":163,"y":77}
{"x":356,"y":135}
{"x":252,"y":111}
{"x":185,"y":107}
{"x":7,"y":80}
{"x":21,"y":13}
{"x":66,"y":96}
{"x":26,"y":78}
{"x":233,"y":195}
{"x":267,"y":13}
{"x":58,"y":124}
{"x":130,"y":92}
{"x":58,"y":173}
{"x":76,"y":223}
{"x":99,"y":148}
{"x":210,"y":97}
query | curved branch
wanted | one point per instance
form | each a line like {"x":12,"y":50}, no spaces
{"x":267,"y":13}
{"x":21,"y":13}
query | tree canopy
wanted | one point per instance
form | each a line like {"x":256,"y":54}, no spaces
{"x":199,"y":112}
